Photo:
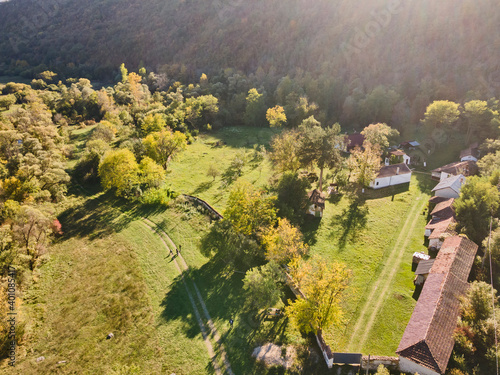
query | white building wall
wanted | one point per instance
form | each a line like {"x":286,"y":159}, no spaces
{"x":435,"y":242}
{"x":379,"y":183}
{"x":446,"y":193}
{"x":405,"y":365}
{"x":400,"y":179}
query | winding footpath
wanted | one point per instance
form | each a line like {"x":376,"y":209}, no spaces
{"x":379,"y":290}
{"x":212,"y":330}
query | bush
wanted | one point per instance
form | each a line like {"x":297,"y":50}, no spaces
{"x":158,"y":196}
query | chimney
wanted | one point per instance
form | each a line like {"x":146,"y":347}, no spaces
{"x":397,"y":170}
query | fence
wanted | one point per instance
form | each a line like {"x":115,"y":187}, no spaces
{"x":212,"y":212}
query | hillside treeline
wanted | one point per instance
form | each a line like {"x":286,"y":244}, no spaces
{"x":352,"y":59}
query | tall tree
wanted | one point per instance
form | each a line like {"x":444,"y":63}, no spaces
{"x":480,"y":120}
{"x":285,"y":151}
{"x":119,"y":170}
{"x":200,"y":111}
{"x":320,"y":146}
{"x":276,"y":116}
{"x":475,"y":334}
{"x":163,"y":145}
{"x":283,"y":243}
{"x":323,"y":284}
{"x":364,"y":164}
{"x":255,"y":113}
{"x":441,"y":114}
{"x":262,"y":285}
{"x":478,"y":201}
{"x":292,"y":199}
{"x":380,"y":134}
{"x":249,"y":210}
{"x":151,"y":174}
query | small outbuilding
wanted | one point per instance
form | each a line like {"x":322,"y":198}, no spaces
{"x":449,"y":187}
{"x":422,"y":271}
{"x":409,"y":145}
{"x":391,"y":175}
{"x":470,"y":154}
{"x":316,"y":203}
{"x":466,"y":168}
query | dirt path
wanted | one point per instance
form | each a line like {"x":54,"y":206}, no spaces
{"x":379,"y":289}
{"x":212,"y":329}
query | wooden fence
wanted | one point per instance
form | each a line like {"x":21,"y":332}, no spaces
{"x":211,"y":211}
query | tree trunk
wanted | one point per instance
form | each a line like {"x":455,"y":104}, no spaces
{"x":320,"y":182}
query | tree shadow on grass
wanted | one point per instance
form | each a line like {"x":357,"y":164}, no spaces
{"x":425,"y":183}
{"x":94,"y":218}
{"x":102,"y":215}
{"x":222,"y":292}
{"x":204,"y":186}
{"x":309,"y":229}
{"x":350,"y":222}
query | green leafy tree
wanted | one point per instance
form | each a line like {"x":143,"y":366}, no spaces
{"x":319,"y":146}
{"x":255,"y":112}
{"x":212,"y":171}
{"x":441,"y":114}
{"x":478,"y":201}
{"x":364,"y":164}
{"x":119,"y":170}
{"x":292,"y":201}
{"x":7,"y":100}
{"x":233,"y":248}
{"x":163,"y":145}
{"x":151,"y":174}
{"x":276,"y":116}
{"x":475,"y":333}
{"x":285,"y":151}
{"x":87,"y":167}
{"x":323,"y":284}
{"x":263,"y":285}
{"x":153,"y":123}
{"x":380,"y":134}
{"x":480,"y":120}
{"x":200,"y":111}
{"x":249,"y":210}
{"x":489,"y":163}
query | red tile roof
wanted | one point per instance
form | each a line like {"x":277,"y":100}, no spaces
{"x":393,"y":170}
{"x":428,"y":338}
{"x":467,"y":168}
{"x":439,"y":223}
{"x":444,"y":209}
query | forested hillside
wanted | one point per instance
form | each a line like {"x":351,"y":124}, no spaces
{"x":420,"y":48}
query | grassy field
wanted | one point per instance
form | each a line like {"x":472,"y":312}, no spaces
{"x":188,"y":172}
{"x":110,"y":273}
{"x":363,"y":234}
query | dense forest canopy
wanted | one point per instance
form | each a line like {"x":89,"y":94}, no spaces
{"x":444,"y":48}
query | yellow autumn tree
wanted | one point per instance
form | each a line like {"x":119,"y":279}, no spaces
{"x":276,"y":116}
{"x":283,"y":243}
{"x":323,"y":284}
